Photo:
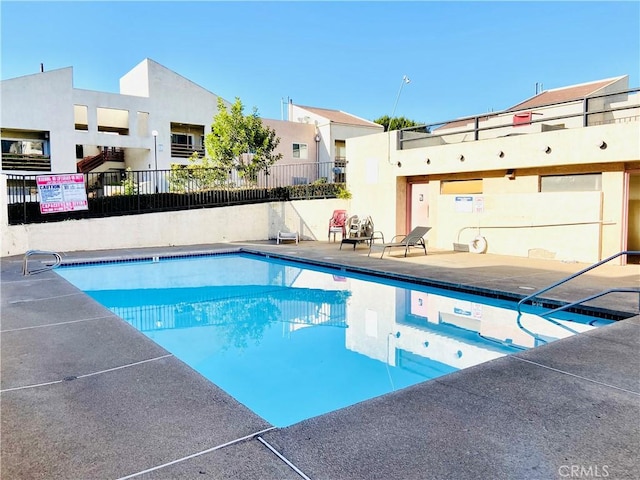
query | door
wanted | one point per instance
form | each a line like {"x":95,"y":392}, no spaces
{"x":418,"y":205}
{"x":633,"y":215}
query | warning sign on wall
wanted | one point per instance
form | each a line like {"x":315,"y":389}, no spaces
{"x":62,"y":193}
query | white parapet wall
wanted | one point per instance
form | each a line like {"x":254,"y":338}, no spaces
{"x":310,"y":218}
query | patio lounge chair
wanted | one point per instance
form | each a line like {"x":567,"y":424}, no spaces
{"x":414,"y":239}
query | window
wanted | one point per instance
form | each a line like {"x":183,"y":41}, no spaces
{"x":182,"y":139}
{"x":23,"y":147}
{"x":300,"y":151}
{"x":113,"y":120}
{"x":587,"y":182}
{"x":81,"y":115}
{"x":455,"y":187}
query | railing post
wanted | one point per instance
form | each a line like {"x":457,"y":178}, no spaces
{"x":24,"y":199}
{"x":138,"y":188}
{"x":585,"y":108}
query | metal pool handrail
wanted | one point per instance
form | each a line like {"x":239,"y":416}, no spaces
{"x":601,"y":262}
{"x":28,"y":253}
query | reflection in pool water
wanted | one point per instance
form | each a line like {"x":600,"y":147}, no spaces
{"x":291,"y":342}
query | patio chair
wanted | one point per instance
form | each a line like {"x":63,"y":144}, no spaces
{"x":359,"y":230}
{"x":291,"y":236}
{"x":338,"y":224}
{"x":414,"y":239}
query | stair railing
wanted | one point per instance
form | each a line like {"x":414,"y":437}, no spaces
{"x":577,"y":274}
{"x":25,"y":262}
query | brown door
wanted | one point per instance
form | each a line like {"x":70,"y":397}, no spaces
{"x":633,"y":216}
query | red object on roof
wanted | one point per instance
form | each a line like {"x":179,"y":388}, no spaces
{"x":520,"y":119}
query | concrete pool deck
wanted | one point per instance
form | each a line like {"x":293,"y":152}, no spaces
{"x":86,"y":396}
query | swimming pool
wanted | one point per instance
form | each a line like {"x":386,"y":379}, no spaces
{"x":293,"y":341}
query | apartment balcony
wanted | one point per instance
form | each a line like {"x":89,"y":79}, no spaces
{"x":185,"y":151}
{"x":26,"y":162}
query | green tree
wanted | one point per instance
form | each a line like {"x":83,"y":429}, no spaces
{"x":396,"y":123}
{"x":241,"y":142}
{"x":200,"y":174}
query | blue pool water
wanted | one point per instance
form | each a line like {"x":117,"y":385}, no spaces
{"x":292,"y":342}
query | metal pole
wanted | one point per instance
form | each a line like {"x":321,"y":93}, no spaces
{"x":155,"y":154}
{"x":405,"y":79}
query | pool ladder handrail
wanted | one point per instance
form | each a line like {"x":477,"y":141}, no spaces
{"x":577,"y":274}
{"x":28,"y":253}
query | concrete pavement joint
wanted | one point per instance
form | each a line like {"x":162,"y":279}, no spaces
{"x":125,"y":366}
{"x":197,"y":454}
{"x":282,"y":457}
{"x":59,"y":323}
{"x":576,"y":376}
{"x":86,"y":375}
{"x":45,"y":298}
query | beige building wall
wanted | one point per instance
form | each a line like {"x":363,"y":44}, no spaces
{"x":512,"y":214}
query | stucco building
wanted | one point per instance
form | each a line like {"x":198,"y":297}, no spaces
{"x":159,"y":118}
{"x":556,"y":176}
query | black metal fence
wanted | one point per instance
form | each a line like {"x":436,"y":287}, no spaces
{"x":135,"y":192}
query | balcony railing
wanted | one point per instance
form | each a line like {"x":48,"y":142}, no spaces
{"x":179,"y":150}
{"x":619,"y":107}
{"x":26,"y":161}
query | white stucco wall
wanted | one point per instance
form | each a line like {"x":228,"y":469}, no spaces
{"x":43,"y":102}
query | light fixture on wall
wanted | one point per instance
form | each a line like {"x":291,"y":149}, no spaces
{"x":547,"y":149}
{"x":461,"y":158}
{"x":511,"y":174}
{"x":602,"y":145}
{"x":501,"y":154}
{"x":428,"y":161}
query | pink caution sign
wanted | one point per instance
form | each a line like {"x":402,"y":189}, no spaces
{"x":62,"y":193}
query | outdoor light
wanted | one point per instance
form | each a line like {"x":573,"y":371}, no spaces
{"x":602,"y":145}
{"x":404,"y":81}
{"x":547,"y":149}
{"x":461,"y":158}
{"x":428,"y":161}
{"x":501,"y":154}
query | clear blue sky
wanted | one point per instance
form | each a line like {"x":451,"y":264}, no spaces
{"x":463,"y":58}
